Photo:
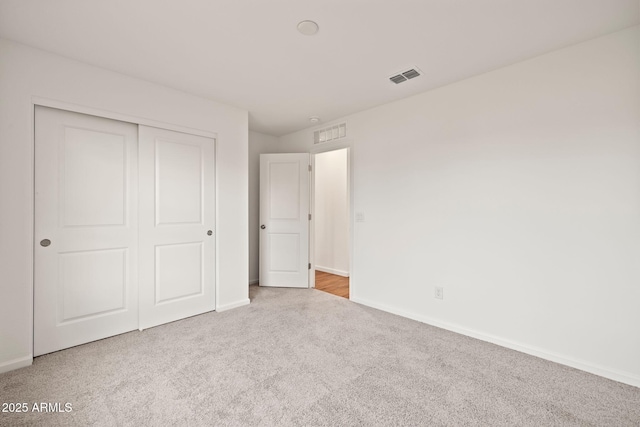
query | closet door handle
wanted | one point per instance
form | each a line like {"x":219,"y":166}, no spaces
{"x":209,"y":233}
{"x":263,"y":226}
{"x":45,"y":242}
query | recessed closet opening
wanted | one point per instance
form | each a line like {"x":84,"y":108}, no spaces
{"x":124,"y":227}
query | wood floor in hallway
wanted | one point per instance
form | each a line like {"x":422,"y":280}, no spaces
{"x":332,"y":283}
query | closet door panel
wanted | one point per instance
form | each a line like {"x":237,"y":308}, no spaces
{"x":86,"y":229}
{"x":177,"y":218}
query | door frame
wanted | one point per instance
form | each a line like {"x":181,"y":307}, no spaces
{"x":92,"y":111}
{"x":319,"y":149}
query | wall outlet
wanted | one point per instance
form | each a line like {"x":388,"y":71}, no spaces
{"x":439,"y":292}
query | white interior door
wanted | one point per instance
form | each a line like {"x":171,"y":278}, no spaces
{"x":177,"y":217}
{"x":284,"y":220}
{"x":86,"y":230}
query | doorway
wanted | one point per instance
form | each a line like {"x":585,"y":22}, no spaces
{"x":331,"y":263}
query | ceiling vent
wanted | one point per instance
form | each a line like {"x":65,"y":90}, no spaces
{"x":398,"y":79}
{"x":405,"y":75}
{"x":330,"y":134}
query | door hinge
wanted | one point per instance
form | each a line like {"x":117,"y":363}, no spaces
{"x":309,"y":217}
{"x":309,"y":168}
{"x":309,"y":266}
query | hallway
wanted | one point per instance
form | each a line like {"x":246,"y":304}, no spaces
{"x":333,"y":284}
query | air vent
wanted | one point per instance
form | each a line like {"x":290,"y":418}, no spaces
{"x":411,"y":74}
{"x":330,"y":134}
{"x":405,"y":75}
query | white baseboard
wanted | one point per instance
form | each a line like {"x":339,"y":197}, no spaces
{"x":253,"y":282}
{"x":232,"y":305}
{"x":332,"y":271}
{"x":612,"y":374}
{"x":14,"y":364}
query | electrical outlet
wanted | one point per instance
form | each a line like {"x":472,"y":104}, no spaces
{"x":439,"y":294}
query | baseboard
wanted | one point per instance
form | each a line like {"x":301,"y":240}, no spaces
{"x":612,"y":374}
{"x":332,"y":271}
{"x":236,"y":304}
{"x":253,"y":282}
{"x":14,"y":364}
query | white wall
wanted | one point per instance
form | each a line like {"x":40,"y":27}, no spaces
{"x":259,"y":143}
{"x":518,"y":191}
{"x":26,"y":73}
{"x":331,"y":212}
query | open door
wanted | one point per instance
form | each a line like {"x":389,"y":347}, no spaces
{"x":284,"y":220}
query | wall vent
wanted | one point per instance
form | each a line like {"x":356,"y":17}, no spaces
{"x":330,"y":134}
{"x":405,"y":75}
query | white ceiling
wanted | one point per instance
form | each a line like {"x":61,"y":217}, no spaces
{"x":248,"y":53}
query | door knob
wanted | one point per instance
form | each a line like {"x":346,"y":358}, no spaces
{"x":45,"y":242}
{"x":263,"y":226}
{"x":209,"y":233}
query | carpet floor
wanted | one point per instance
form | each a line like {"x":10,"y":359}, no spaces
{"x":297,"y":357}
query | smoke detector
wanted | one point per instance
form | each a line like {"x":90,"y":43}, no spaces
{"x":308,"y":28}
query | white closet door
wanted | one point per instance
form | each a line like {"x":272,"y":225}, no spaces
{"x":86,"y":229}
{"x":177,"y":218}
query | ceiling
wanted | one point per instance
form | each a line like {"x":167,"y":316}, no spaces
{"x":248,"y":53}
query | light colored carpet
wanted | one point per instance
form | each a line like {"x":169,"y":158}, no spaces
{"x":306,"y":358}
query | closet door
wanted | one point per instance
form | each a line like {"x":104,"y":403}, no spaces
{"x":177,"y":218}
{"x":86,"y":229}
